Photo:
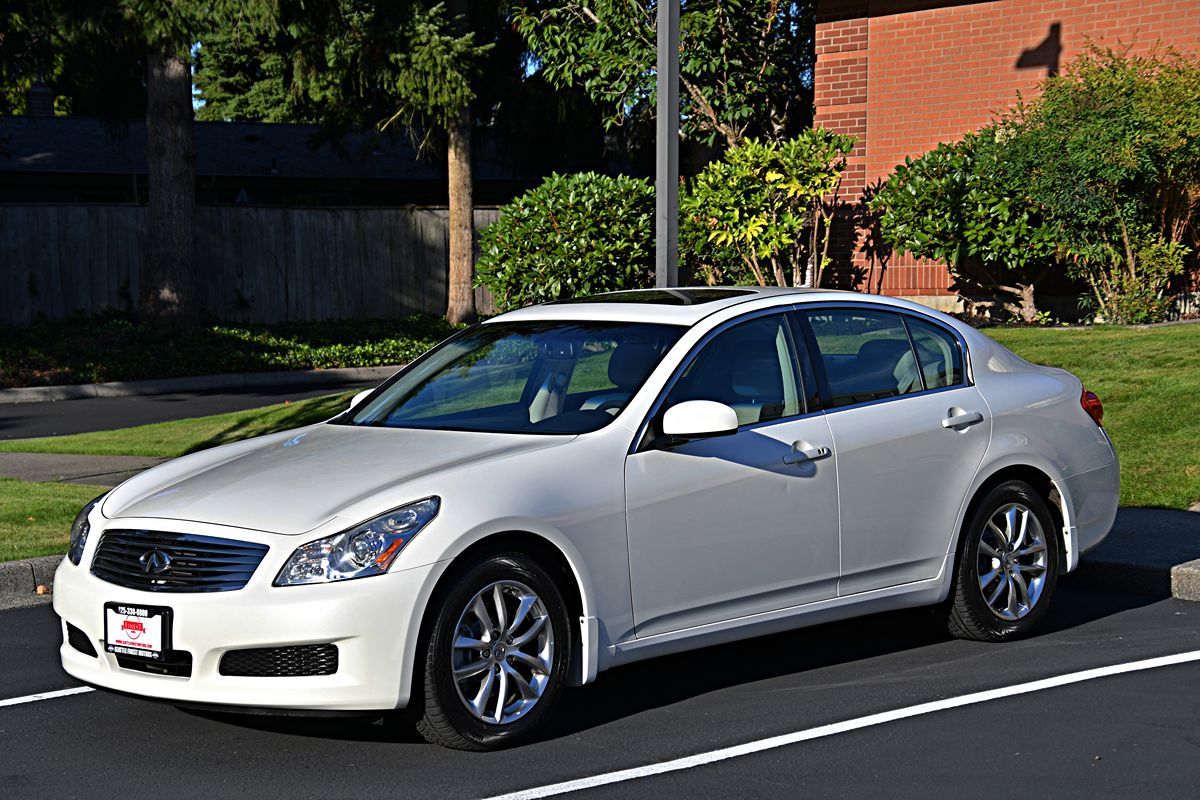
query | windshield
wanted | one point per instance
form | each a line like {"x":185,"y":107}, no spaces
{"x":524,"y":377}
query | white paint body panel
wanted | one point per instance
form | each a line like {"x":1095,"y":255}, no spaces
{"x":669,"y":549}
{"x":693,"y":557}
{"x":889,"y":455}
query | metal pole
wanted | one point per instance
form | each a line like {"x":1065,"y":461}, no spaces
{"x":666,"y":174}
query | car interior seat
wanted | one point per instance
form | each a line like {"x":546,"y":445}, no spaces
{"x":628,"y":366}
{"x":883,"y":368}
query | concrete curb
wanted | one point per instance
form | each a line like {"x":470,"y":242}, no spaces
{"x":199,"y":383}
{"x":19,"y":581}
{"x":1185,"y":581}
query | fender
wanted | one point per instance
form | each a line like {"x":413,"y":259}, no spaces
{"x":590,"y":629}
{"x":994,"y":465}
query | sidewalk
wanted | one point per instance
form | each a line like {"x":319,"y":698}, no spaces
{"x":199,"y":383}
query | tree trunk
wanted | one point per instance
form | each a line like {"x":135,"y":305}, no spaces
{"x":1027,"y":309}
{"x":169,"y":285}
{"x":461,"y":302}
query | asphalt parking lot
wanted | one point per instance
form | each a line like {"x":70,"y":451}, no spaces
{"x":1134,"y":734}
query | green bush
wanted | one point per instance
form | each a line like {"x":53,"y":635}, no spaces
{"x":1111,"y":155}
{"x":955,"y":205}
{"x":112,"y":347}
{"x":572,"y":235}
{"x":761,"y":213}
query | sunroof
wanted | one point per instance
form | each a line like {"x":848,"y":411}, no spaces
{"x":663,"y":297}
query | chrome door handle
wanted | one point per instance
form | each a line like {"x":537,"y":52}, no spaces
{"x":802,"y":451}
{"x":960,"y":419}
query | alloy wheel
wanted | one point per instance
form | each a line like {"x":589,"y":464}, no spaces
{"x":503,"y":652}
{"x":1012,"y":561}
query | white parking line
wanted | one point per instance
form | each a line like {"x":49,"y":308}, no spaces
{"x":33,"y":698}
{"x":749,"y":748}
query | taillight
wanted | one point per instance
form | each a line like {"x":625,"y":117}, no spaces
{"x":1092,"y":405}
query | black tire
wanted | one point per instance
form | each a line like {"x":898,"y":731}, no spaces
{"x":446,"y":720}
{"x":970,"y":616}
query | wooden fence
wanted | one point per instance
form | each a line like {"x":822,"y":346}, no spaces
{"x":259,"y":264}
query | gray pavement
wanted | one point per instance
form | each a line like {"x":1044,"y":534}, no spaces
{"x":93,"y":470}
{"x":57,"y":418}
{"x":1131,"y":735}
{"x":233,"y":381}
{"x":1153,"y":551}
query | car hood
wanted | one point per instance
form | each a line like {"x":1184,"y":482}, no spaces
{"x":293,"y":482}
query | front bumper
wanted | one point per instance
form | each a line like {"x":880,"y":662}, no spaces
{"x":372,"y":621}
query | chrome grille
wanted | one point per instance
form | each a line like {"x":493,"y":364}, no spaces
{"x":195,"y":563}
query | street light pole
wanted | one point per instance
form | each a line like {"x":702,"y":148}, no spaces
{"x":666,"y":174}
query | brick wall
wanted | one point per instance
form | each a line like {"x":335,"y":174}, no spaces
{"x":903,"y":75}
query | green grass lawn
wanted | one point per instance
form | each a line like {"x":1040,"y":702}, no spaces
{"x":1148,"y":379}
{"x":1149,"y":382}
{"x":35,"y":518}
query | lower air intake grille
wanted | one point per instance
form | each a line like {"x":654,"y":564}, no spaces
{"x":154,"y":561}
{"x":281,"y":662}
{"x":79,"y":640}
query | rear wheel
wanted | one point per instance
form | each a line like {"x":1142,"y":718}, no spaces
{"x":497,"y":656}
{"x":1007,"y":566}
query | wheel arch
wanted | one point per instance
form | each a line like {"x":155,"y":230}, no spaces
{"x":551,"y":556}
{"x":1050,"y":489}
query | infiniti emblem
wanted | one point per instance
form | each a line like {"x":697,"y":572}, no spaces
{"x":155,"y":562}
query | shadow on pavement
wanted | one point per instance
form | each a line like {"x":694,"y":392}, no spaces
{"x":1140,"y":550}
{"x":664,"y":681}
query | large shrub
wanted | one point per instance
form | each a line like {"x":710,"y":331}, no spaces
{"x":572,"y":235}
{"x":1110,"y":153}
{"x":954,"y":205}
{"x":761,"y":213}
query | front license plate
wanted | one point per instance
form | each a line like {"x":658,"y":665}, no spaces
{"x":143,"y":631}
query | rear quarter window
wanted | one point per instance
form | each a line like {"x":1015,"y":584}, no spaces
{"x":938,"y":353}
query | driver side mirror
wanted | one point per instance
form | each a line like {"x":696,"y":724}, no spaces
{"x":699,"y":419}
{"x":358,"y":398}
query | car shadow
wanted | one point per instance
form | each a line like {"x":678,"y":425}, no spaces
{"x":666,"y":680}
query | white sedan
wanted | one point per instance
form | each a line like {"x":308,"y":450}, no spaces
{"x":574,"y":486}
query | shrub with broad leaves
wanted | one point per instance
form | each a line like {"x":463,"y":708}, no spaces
{"x":572,"y":235}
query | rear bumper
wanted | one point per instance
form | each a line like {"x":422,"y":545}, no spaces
{"x":1094,"y":497}
{"x":370,"y":620}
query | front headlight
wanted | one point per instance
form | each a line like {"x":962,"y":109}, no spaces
{"x":366,"y":549}
{"x":80,"y":529}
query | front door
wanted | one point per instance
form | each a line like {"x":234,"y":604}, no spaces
{"x":735,"y":525}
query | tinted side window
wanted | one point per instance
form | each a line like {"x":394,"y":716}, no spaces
{"x":751,"y":368}
{"x":866,"y":354}
{"x":937,"y":352}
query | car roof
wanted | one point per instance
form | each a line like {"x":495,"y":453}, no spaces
{"x":676,"y":306}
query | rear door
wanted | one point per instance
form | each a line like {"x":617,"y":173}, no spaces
{"x":910,"y":432}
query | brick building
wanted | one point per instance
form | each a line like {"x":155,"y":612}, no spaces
{"x":903,"y":75}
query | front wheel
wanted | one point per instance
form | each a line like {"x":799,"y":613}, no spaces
{"x":497,"y":656}
{"x":1007,"y":566}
